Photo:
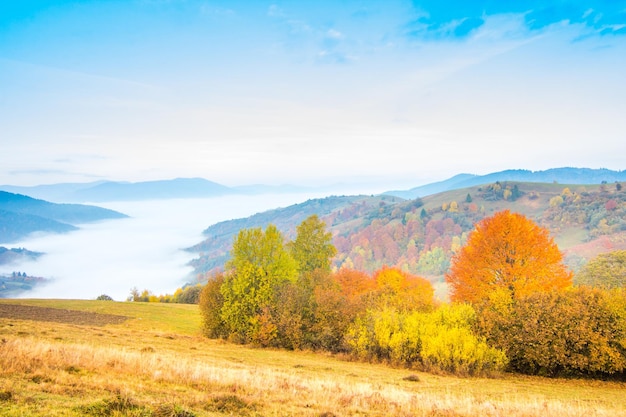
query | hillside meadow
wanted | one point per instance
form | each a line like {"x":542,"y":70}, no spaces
{"x":99,"y":358}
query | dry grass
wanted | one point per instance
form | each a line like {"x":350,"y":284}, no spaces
{"x":56,"y":369}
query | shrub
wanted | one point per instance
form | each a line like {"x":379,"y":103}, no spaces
{"x":189,"y":294}
{"x":441,"y":340}
{"x":607,"y":270}
{"x":577,"y":332}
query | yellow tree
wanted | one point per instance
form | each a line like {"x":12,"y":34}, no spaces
{"x":506,"y":252}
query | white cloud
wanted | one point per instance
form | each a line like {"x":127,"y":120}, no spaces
{"x":275,"y":11}
{"x":210,"y":10}
{"x":334,"y":34}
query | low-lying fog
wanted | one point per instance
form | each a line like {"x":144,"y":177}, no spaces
{"x":144,"y":251}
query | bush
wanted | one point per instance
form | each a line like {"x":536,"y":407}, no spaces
{"x":607,"y":270}
{"x":104,"y":297}
{"x":577,"y":332}
{"x":189,"y":295}
{"x":441,"y":340}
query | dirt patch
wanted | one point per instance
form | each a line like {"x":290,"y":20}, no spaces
{"x":57,"y":315}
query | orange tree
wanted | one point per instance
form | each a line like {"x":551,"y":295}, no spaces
{"x":403,"y":291}
{"x":506,"y":252}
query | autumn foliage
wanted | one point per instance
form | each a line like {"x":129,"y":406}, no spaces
{"x":580,"y":331}
{"x":607,"y":271}
{"x":402,"y":290}
{"x":506,"y":251}
{"x":513,"y":307}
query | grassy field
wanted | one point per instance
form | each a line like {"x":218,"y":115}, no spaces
{"x":155,"y":363}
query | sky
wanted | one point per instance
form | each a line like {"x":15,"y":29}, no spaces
{"x":308,"y":92}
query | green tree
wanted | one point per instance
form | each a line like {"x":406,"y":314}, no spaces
{"x":104,"y":297}
{"x":211,"y":303}
{"x":433,"y":262}
{"x":259,"y":265}
{"x":312,"y":248}
{"x":515,"y":193}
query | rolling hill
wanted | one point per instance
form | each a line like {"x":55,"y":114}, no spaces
{"x":421,"y":235}
{"x":21,"y":215}
{"x":554,"y":175}
{"x":214,"y":249}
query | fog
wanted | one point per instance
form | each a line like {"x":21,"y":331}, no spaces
{"x":143,"y":251}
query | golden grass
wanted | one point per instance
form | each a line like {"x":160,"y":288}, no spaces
{"x":54,"y":369}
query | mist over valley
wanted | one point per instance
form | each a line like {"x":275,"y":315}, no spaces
{"x":145,"y":250}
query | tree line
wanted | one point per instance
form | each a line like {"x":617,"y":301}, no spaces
{"x":513,"y":304}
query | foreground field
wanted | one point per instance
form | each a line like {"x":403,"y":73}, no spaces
{"x":58,"y":358}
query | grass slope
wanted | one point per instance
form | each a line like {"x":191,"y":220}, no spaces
{"x":155,"y":363}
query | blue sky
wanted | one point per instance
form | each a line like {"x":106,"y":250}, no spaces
{"x":239,"y":92}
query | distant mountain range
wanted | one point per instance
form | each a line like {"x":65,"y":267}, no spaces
{"x":21,"y":215}
{"x":101,"y":191}
{"x":558,"y":175}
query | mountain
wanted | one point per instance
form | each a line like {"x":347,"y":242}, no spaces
{"x":433,"y":188}
{"x":421,"y":235}
{"x":101,"y":191}
{"x":51,"y":192}
{"x":124,"y":191}
{"x":8,"y":256}
{"x":149,"y":190}
{"x":15,"y":226}
{"x":554,"y":175}
{"x":21,"y":215}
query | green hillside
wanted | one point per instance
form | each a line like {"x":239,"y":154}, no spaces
{"x":421,"y":235}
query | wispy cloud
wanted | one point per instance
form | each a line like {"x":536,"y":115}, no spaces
{"x":323,"y":44}
{"x":210,"y":10}
{"x":59,"y":71}
{"x":435,"y":20}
